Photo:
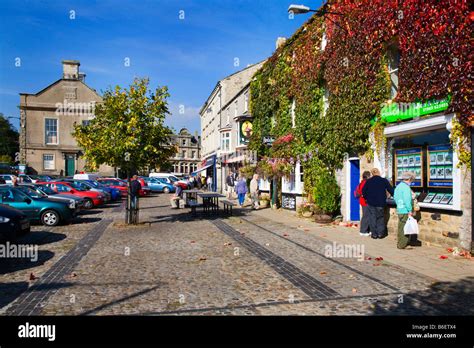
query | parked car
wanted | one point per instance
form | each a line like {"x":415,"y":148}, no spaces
{"x":115,"y":193}
{"x":7,"y":178}
{"x":75,"y":202}
{"x":115,"y":183}
{"x":2,"y":181}
{"x":91,"y":198}
{"x":170,"y":179}
{"x":156,"y":185}
{"x":27,"y":179}
{"x":86,"y":176}
{"x":36,"y":208}
{"x":86,"y":185}
{"x":13,"y":223}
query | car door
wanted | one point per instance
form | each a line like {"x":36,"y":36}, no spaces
{"x":16,"y":199}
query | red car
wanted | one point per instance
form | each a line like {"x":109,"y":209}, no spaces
{"x":123,"y":186}
{"x":115,"y":183}
{"x":91,"y":198}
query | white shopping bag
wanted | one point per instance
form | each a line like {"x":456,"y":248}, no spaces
{"x":411,"y":227}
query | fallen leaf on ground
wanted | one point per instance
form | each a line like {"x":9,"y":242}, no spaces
{"x":443,"y":257}
{"x":368,"y":258}
{"x":33,"y":277}
{"x":226,"y":244}
{"x":73,"y":275}
{"x":193,"y":241}
{"x":380,"y":258}
{"x":306,"y":229}
{"x":376,"y":264}
{"x":322,"y":273}
{"x":202,"y":259}
{"x":450,"y":250}
{"x":285,"y":234}
{"x":354,"y":290}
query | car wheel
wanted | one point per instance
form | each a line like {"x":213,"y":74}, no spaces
{"x":50,"y":218}
{"x":166,"y":190}
{"x":88,"y":204}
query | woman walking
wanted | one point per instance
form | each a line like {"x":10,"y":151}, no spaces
{"x":241,"y":189}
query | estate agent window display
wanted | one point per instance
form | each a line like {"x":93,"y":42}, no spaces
{"x":430,"y":157}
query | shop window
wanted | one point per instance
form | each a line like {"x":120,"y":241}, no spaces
{"x":393,"y":57}
{"x":429,"y":157}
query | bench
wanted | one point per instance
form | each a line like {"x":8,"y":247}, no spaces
{"x":228,"y":206}
{"x":193,"y":205}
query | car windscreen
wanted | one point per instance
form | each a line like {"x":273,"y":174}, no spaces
{"x":78,"y":187}
{"x":47,"y":190}
{"x":30,"y":192}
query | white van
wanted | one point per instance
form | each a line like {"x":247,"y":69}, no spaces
{"x":86,"y":176}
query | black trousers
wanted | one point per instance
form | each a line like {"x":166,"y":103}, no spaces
{"x":364,"y":221}
{"x":377,"y":221}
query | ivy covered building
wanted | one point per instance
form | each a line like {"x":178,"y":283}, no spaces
{"x":383,"y":84}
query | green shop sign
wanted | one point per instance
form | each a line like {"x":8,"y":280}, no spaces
{"x":395,"y":112}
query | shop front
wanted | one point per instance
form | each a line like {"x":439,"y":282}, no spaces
{"x":292,"y":188}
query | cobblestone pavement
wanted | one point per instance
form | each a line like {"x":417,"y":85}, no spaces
{"x":241,"y":265}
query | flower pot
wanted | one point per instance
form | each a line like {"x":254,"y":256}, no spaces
{"x":323,"y":218}
{"x":307,"y":214}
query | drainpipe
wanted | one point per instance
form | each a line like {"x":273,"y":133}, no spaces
{"x":472,"y":185}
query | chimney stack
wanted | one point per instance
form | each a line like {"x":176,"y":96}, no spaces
{"x":71,"y":69}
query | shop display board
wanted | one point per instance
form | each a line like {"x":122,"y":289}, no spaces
{"x":440,"y":166}
{"x":409,"y":160}
{"x":288,"y":202}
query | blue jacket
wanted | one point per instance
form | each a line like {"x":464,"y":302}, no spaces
{"x":375,"y":191}
{"x":241,"y":187}
{"x":403,"y":198}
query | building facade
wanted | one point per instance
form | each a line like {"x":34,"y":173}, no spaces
{"x":214,"y":125}
{"x":47,"y":121}
{"x":188,"y":155}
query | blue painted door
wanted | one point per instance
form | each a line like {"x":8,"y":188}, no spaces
{"x":354,"y":178}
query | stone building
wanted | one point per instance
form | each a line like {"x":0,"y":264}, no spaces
{"x":212,"y":128}
{"x":47,"y":121}
{"x":188,"y":153}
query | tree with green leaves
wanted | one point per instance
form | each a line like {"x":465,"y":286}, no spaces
{"x":9,"y":143}
{"x":128,"y":132}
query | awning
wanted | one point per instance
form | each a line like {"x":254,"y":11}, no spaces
{"x":201,"y":169}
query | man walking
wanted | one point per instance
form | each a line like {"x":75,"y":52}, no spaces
{"x":375,"y":193}
{"x":135,"y":188}
{"x":230,"y":185}
{"x":254,"y":191}
{"x":364,"y":221}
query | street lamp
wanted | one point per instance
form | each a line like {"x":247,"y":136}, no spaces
{"x":302,"y":9}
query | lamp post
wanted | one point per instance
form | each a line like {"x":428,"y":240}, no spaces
{"x":302,"y":9}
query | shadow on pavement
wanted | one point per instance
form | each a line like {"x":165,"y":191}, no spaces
{"x":11,"y":291}
{"x":13,"y":264}
{"x":84,"y":220}
{"x":41,"y":238}
{"x":90,"y":212}
{"x":442,"y":298}
{"x":122,"y":299}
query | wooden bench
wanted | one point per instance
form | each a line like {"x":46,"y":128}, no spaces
{"x":193,"y":205}
{"x":228,"y":206}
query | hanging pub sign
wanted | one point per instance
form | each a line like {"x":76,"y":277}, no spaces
{"x":268,"y":140}
{"x":409,"y":160}
{"x":245,"y":131}
{"x":440,"y":166}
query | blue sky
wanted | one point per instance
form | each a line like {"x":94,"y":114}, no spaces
{"x":188,"y":55}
